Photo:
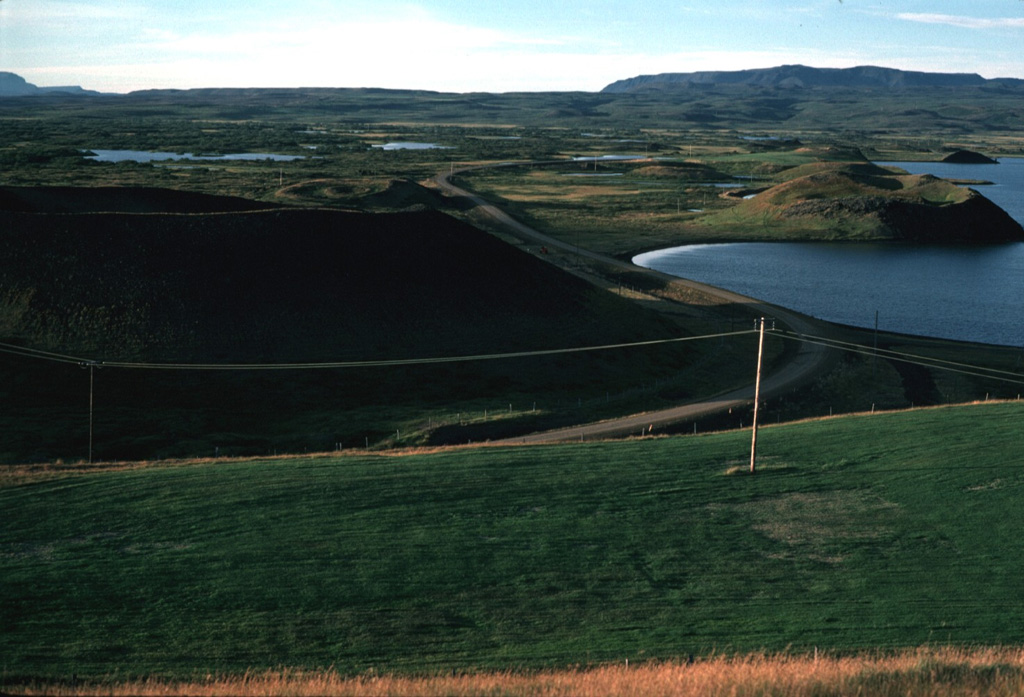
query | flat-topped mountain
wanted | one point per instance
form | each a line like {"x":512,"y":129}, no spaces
{"x":12,"y":85}
{"x":798,"y":76}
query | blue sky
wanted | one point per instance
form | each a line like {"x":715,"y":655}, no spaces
{"x":488,"y":45}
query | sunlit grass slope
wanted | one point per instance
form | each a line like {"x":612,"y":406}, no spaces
{"x":880,"y":530}
{"x":859,"y":201}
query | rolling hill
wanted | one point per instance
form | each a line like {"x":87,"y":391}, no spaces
{"x":859,"y":201}
{"x":284,"y":286}
{"x":120,"y":199}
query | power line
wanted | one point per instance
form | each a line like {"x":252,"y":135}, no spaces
{"x":44,"y":355}
{"x":889,"y":352}
{"x":332,"y":365}
{"x":914,"y":359}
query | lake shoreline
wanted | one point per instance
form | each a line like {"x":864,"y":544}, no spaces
{"x":951,"y":290}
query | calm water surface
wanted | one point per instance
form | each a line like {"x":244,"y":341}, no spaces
{"x":412,"y":146}
{"x":155,"y":156}
{"x":971,"y":293}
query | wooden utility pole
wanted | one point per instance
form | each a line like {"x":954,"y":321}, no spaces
{"x":92,"y":369}
{"x":757,"y":396}
{"x":874,"y":353}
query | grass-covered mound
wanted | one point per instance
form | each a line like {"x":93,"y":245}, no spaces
{"x":390,"y":195}
{"x":685,"y":171}
{"x":121,"y":199}
{"x":867,"y":532}
{"x":861,"y":201}
{"x":295,"y":286}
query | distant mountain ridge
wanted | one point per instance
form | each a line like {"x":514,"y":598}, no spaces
{"x":13,"y":85}
{"x":781,"y":77}
{"x":799,"y":76}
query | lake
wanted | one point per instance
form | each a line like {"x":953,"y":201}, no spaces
{"x":607,"y":158}
{"x":402,"y":145}
{"x":970,"y":293}
{"x":155,"y":156}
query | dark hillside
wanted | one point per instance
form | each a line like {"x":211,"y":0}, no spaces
{"x":75,"y":199}
{"x":285,"y":286}
{"x":289,"y":285}
{"x":968,"y":157}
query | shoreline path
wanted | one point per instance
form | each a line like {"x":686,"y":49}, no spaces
{"x":809,"y":360}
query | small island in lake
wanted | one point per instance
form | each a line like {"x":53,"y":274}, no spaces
{"x":969,"y":157}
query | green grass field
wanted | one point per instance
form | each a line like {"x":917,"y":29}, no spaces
{"x":866,"y":532}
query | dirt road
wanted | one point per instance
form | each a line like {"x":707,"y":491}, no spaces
{"x":810,"y":359}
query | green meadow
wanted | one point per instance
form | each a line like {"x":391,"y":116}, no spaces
{"x":867,"y":532}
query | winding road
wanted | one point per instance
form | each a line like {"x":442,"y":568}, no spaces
{"x":810,"y":359}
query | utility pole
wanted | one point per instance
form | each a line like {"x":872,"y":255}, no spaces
{"x":757,"y":394}
{"x":92,"y":371}
{"x":874,"y":353}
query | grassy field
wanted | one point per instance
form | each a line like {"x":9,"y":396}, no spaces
{"x":878,"y":531}
{"x":42,"y":140}
{"x":793,"y":193}
{"x":912,"y":115}
{"x":923,"y":672}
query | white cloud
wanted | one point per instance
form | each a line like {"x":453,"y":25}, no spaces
{"x":441,"y":68}
{"x":408,"y":47}
{"x":43,"y":12}
{"x":963,"y":22}
{"x":414,"y":39}
{"x":415,"y":51}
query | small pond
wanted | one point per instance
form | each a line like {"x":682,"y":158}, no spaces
{"x":155,"y":156}
{"x":401,"y":145}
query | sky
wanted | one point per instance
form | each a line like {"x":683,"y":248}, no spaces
{"x":488,"y":45}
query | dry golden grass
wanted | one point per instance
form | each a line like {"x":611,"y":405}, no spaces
{"x":933,"y":672}
{"x":14,"y":475}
